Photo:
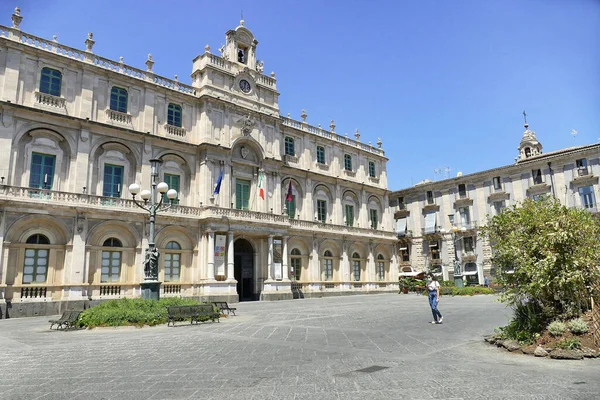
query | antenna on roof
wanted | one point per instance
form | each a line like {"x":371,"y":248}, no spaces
{"x":574,"y":134}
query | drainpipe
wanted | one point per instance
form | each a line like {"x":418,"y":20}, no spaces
{"x":551,"y":181}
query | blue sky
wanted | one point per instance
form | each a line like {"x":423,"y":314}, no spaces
{"x":442,"y":83}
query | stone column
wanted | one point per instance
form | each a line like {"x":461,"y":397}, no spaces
{"x":270,"y":259}
{"x":230,"y":274}
{"x":286,"y":271}
{"x":211,"y":256}
{"x":2,"y":255}
{"x":345,"y":263}
{"x":315,"y":274}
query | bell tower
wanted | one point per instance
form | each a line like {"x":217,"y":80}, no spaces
{"x":529,"y":145}
{"x":241,"y":46}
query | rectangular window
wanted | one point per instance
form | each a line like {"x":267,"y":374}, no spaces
{"x":347,"y":162}
{"x":172,"y":267}
{"x":537,"y":176}
{"x":291,"y":207}
{"x":322,"y":210}
{"x":289,"y":146}
{"x":586,"y":194}
{"x":405,"y":254}
{"x":462,"y":190}
{"x":328,"y":269}
{"x":468,"y":243}
{"x":371,"y":169}
{"x":118,"y":99}
{"x":356,"y":270}
{"x":434,"y":249}
{"x":349,"y":215}
{"x":111,"y":266}
{"x":113,"y":180}
{"x":582,"y":167}
{"x":174,"y":115}
{"x":50,"y":82}
{"x":373,"y":218}
{"x":41,"y":173}
{"x":401,"y":204}
{"x":35,"y":266}
{"x":173,"y":182}
{"x":497,"y":184}
{"x":498,"y":206}
{"x":465,"y":216}
{"x":321,"y":154}
{"x":429,"y":197}
{"x":242,"y":194}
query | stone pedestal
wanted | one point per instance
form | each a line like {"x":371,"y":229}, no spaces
{"x":150,"y":290}
{"x":277,"y":290}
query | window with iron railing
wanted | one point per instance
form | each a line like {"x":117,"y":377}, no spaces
{"x":537,"y":176}
{"x":462,"y":191}
{"x":582,"y":167}
{"x":429,"y":197}
{"x":497,"y":182}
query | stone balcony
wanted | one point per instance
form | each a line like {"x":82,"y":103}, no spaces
{"x":52,"y":199}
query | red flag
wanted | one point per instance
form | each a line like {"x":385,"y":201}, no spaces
{"x":289,"y":198}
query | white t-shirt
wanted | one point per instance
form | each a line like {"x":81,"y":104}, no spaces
{"x":433,"y":285}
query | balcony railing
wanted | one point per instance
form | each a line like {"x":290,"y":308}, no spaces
{"x":35,"y":196}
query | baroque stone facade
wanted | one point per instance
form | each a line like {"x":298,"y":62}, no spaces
{"x":267,"y":208}
{"x":434,"y":217}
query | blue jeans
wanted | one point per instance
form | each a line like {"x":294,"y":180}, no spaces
{"x":433,"y":304}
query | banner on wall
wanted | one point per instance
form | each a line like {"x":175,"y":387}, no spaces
{"x":220,"y":254}
{"x":277,"y":259}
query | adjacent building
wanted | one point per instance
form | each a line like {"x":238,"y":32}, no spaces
{"x":437,"y":223}
{"x":268,"y":207}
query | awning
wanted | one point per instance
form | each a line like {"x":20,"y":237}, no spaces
{"x":430,"y":222}
{"x":403,"y":248}
{"x":401,"y":227}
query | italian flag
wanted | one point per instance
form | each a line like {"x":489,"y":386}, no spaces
{"x":261,"y":185}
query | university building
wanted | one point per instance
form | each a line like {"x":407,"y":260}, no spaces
{"x":438,"y":221}
{"x":268,"y":207}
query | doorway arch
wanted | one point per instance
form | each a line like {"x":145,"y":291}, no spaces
{"x":243,"y":269}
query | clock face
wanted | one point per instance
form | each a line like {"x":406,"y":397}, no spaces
{"x":245,"y":86}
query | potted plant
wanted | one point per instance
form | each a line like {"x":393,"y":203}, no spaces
{"x":406,"y":283}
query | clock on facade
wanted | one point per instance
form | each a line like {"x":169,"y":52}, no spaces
{"x":245,"y":86}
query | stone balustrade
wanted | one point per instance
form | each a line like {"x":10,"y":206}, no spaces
{"x":82,"y":200}
{"x":100,"y":62}
{"x":49,"y":100}
{"x":174,"y":130}
{"x":330,"y":135}
{"x":116,"y":116}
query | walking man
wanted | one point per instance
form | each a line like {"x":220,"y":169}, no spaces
{"x":433,"y":286}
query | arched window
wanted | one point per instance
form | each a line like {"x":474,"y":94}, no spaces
{"x":356,"y":267}
{"x":35,"y":265}
{"x":50,"y":82}
{"x":380,"y":268}
{"x":289,"y":146}
{"x":296,"y":264}
{"x":174,"y":115}
{"x":112,"y":242}
{"x":111,"y":261}
{"x":172,"y":262}
{"x":327,"y":266}
{"x":37,"y":239}
{"x":118,"y":99}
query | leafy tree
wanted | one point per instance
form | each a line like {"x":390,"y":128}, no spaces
{"x":546,"y":255}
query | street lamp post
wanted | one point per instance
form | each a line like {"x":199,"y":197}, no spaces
{"x":151,"y":286}
{"x":458,"y":279}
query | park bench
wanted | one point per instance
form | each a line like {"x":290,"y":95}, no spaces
{"x":66,"y":321}
{"x":182,"y":313}
{"x":223,"y":306}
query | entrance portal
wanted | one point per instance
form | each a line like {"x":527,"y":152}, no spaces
{"x":243,"y":269}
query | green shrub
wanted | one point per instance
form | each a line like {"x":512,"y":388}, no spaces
{"x":557,"y":328}
{"x":568,"y":344}
{"x":471,"y":290}
{"x":447,"y":283}
{"x":137,"y":312}
{"x":578,"y":326}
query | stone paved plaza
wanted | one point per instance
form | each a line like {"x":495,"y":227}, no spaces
{"x":355,"y":347}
